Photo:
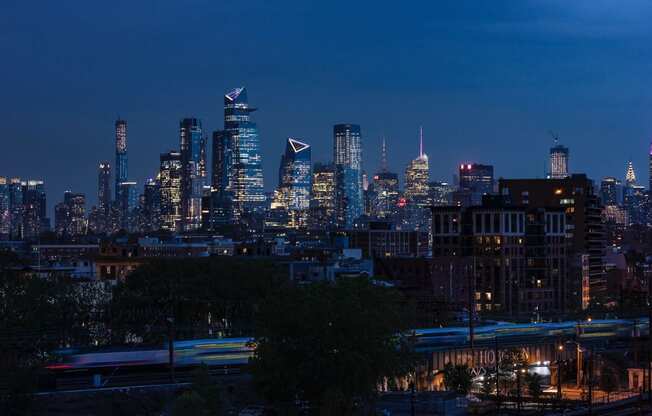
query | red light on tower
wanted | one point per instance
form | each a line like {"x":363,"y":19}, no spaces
{"x":402,"y":202}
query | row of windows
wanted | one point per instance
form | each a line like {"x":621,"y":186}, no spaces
{"x":498,"y":223}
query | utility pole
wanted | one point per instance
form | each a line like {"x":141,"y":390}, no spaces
{"x":560,"y":350}
{"x":590,"y":381}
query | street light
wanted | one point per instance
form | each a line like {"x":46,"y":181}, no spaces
{"x":560,"y":348}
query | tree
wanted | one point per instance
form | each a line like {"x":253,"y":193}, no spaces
{"x":205,"y":296}
{"x":346,"y":335}
{"x":458,"y":378}
{"x":608,"y":381}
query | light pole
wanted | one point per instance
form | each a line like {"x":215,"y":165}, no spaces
{"x":560,"y":350}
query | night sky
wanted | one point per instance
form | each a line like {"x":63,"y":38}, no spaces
{"x":486,"y":79}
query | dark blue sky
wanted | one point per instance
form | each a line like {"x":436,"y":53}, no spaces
{"x":486,"y":79}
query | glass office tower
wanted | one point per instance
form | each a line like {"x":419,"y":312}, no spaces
{"x":347,"y":157}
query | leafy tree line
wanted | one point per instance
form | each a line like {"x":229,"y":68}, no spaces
{"x":326,"y":344}
{"x":331,"y":345}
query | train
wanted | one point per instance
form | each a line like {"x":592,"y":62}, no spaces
{"x":236,"y":352}
{"x":226,"y":352}
{"x":507,"y":333}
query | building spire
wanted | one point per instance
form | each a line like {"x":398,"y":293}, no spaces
{"x":630,"y":176}
{"x":383,"y":156}
{"x":420,"y":141}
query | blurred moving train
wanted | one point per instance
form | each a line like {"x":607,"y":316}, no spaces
{"x":236,"y":352}
{"x":510,"y":334}
{"x":225,"y":353}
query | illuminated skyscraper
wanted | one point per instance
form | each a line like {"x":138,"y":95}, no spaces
{"x":5,"y":209}
{"x":322,"y":202}
{"x":193,"y":179}
{"x":383,"y":190}
{"x":558,"y":161}
{"x":650,"y":169}
{"x":611,"y":191}
{"x":120,"y":154}
{"x":237,"y":162}
{"x":150,"y":211}
{"x":630,"y":175}
{"x":417,"y":178}
{"x":104,"y":187}
{"x":441,"y":193}
{"x":16,"y":208}
{"x":170,"y":189}
{"x":295,"y":179}
{"x":475,"y":180}
{"x":34,"y":209}
{"x":127,"y":203}
{"x":70,"y":215}
{"x":296,"y":174}
{"x":347,"y":157}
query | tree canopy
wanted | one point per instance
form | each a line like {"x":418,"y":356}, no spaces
{"x":331,"y":343}
{"x":204,"y":296}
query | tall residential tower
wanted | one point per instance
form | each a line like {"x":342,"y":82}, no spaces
{"x":120,"y":155}
{"x":347,"y":157}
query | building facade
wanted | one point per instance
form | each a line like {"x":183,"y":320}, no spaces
{"x":322,"y":213}
{"x":237,"y":161}
{"x":498,"y":258}
{"x":70,"y":215}
{"x":475,"y":180}
{"x":193,"y":174}
{"x":170,"y":171}
{"x":347,"y":158}
{"x":577,"y":196}
{"x":121,"y":173}
{"x":558,"y":162}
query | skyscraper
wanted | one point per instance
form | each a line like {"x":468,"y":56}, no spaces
{"x":128,"y":202}
{"x":120,"y":154}
{"x":296,"y":174}
{"x":322,"y":202}
{"x":237,"y":162}
{"x":475,"y":180}
{"x":347,"y":157}
{"x":150,"y":211}
{"x":193,"y":175}
{"x":441,"y":193}
{"x":5,"y":209}
{"x":70,"y":215}
{"x":558,"y":161}
{"x":383,"y":190}
{"x":170,"y":189}
{"x":417,"y":176}
{"x":611,"y":191}
{"x":650,"y":169}
{"x":295,"y":179}
{"x":16,"y":208}
{"x":104,"y":187}
{"x":34,"y":209}
{"x":630,"y":175}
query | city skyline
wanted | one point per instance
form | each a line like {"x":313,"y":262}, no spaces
{"x":589,"y":91}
